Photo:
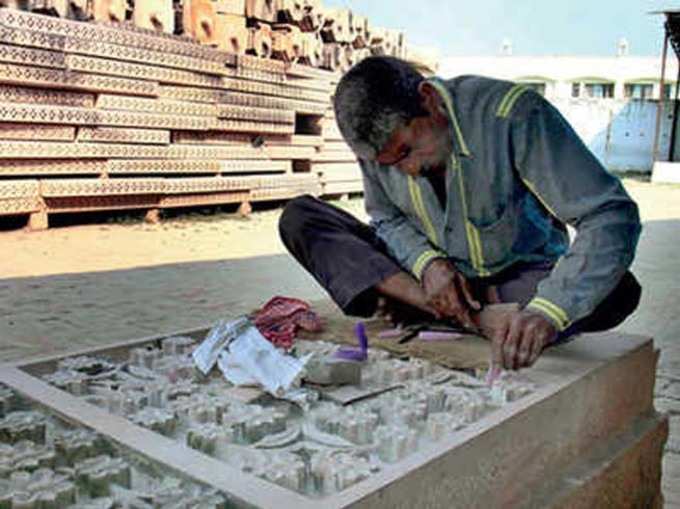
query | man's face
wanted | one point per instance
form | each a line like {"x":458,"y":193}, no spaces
{"x":423,"y":145}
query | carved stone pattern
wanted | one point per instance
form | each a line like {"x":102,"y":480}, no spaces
{"x":229,"y":111}
{"x":318,"y":86}
{"x":259,"y":75}
{"x":48,"y":167}
{"x":283,"y":193}
{"x":19,"y":188}
{"x":93,"y":187}
{"x":275,"y":102}
{"x":247,"y":126}
{"x":110,"y":84}
{"x":164,"y":166}
{"x":83,"y":203}
{"x":9,"y":93}
{"x":206,"y":184}
{"x":192,"y":94}
{"x":208,"y":152}
{"x":112,"y":34}
{"x":19,"y":206}
{"x":157,"y":120}
{"x":57,"y":78}
{"x":300,"y":180}
{"x":225,"y":138}
{"x":14,"y":112}
{"x":268,"y":65}
{"x":136,"y":54}
{"x":55,"y":150}
{"x":124,"y":135}
{"x":204,"y":199}
{"x":31,"y":39}
{"x":276,"y":90}
{"x":118,"y":102}
{"x":283,"y":152}
{"x":255,"y":166}
{"x":28,"y":56}
{"x":195,"y":166}
{"x":36,"y":132}
{"x":305,"y":71}
{"x":129,"y":70}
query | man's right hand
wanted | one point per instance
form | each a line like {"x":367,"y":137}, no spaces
{"x":448,"y":292}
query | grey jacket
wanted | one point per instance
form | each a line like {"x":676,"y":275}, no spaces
{"x":517,"y":176}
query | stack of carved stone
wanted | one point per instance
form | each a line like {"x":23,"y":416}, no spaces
{"x":121,"y":113}
{"x":101,"y":117}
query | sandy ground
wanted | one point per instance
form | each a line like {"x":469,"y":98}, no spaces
{"x":72,"y":287}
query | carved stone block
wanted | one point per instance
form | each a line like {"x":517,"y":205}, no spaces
{"x":133,"y":70}
{"x":42,"y":488}
{"x":92,"y":203}
{"x":247,"y":126}
{"x":143,"y":104}
{"x":260,"y":40}
{"x":290,"y":11}
{"x":10,"y":93}
{"x":97,"y":474}
{"x":52,"y":7}
{"x":228,"y":111}
{"x":25,"y":455}
{"x":51,"y":167}
{"x":237,"y":7}
{"x":147,"y":166}
{"x":23,"y":75}
{"x":29,"y":56}
{"x":147,"y":56}
{"x":189,"y":200}
{"x":120,"y":35}
{"x":17,"y":426}
{"x":110,"y":10}
{"x":231,"y":33}
{"x":124,"y":135}
{"x":156,"y":15}
{"x":36,"y":132}
{"x":262,"y":10}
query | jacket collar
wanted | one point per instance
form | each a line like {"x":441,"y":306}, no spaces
{"x":440,"y":86}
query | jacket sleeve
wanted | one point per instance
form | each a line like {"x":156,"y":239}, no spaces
{"x":557,"y":167}
{"x":405,"y":242}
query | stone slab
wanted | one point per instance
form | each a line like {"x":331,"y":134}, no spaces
{"x":586,"y":399}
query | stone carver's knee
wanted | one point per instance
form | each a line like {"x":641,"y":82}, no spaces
{"x":294,"y":216}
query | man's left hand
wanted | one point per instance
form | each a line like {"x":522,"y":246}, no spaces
{"x":520,"y":338}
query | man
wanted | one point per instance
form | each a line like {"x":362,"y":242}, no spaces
{"x":470,"y":184}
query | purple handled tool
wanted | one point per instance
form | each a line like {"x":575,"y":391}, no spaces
{"x":355,"y":354}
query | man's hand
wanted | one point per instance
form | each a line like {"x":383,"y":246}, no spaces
{"x":448,"y":292}
{"x":520,"y":339}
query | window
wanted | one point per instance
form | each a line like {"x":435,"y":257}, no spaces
{"x":638,"y":90}
{"x":669,"y":91}
{"x":599,"y":90}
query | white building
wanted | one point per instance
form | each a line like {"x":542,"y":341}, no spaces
{"x":611,"y":101}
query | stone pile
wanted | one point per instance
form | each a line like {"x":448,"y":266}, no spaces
{"x":160,"y":104}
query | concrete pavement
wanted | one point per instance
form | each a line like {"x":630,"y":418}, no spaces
{"x":45,"y":314}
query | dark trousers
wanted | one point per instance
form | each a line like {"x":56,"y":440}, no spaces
{"x":347,"y":258}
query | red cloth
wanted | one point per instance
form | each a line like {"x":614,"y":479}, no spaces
{"x":279,"y":319}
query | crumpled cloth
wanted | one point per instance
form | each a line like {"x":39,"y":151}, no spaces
{"x":280,"y":318}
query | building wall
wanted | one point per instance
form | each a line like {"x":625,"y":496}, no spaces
{"x":618,"y":130}
{"x":620,"y":133}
